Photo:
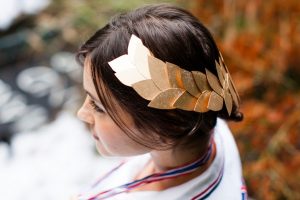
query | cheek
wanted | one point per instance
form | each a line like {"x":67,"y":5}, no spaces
{"x":108,"y":133}
{"x":115,"y":141}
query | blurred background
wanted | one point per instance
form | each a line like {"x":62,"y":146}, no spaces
{"x":46,"y":153}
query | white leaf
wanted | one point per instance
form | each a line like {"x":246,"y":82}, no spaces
{"x":121,"y":63}
{"x":138,"y":54}
{"x":129,"y":77}
{"x":133,"y":67}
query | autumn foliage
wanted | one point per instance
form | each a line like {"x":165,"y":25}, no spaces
{"x":260,"y":41}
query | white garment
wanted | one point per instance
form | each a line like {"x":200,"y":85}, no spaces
{"x":222,"y":180}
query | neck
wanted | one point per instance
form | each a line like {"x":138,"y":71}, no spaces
{"x":169,"y":159}
{"x":165,"y":160}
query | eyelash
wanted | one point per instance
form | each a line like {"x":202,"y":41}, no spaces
{"x":95,"y":107}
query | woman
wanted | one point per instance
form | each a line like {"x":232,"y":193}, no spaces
{"x":157,"y":88}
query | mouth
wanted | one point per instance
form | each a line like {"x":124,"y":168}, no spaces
{"x":94,"y":135}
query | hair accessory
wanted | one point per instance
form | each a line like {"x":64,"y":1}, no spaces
{"x":167,"y":86}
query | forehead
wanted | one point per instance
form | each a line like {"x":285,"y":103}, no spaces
{"x":88,"y":83}
{"x":87,"y":68}
{"x":90,"y":87}
{"x":87,"y":73}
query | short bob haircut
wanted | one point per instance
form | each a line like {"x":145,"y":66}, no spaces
{"x":173,"y":35}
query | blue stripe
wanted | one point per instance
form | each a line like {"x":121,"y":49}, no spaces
{"x":214,"y":188}
{"x":176,"y":171}
{"x":244,"y":195}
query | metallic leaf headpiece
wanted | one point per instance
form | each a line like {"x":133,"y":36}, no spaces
{"x":167,"y":86}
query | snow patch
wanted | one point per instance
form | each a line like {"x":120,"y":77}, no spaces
{"x":54,"y":162}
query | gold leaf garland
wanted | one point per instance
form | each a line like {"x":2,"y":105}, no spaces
{"x":169,"y":86}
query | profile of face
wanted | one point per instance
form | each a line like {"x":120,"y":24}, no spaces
{"x":110,"y":139}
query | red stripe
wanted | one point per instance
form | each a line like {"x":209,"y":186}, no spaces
{"x":108,"y":173}
{"x":104,"y":177}
{"x":214,"y":183}
{"x":157,"y":179}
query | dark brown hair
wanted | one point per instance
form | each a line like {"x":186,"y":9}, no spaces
{"x":173,"y":35}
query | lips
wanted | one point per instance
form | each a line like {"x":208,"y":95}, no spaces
{"x":95,"y":137}
{"x":94,"y":134}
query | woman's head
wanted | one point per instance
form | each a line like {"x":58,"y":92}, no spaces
{"x":172,"y":35}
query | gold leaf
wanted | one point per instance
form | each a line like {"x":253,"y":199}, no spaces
{"x":158,"y":71}
{"x":233,"y":94}
{"x":166,"y":99}
{"x":201,"y":81}
{"x":202,"y":102}
{"x":226,"y":82}
{"x":174,"y":76}
{"x":146,"y":89}
{"x":220,"y":73}
{"x":214,"y":82}
{"x":215,"y":102}
{"x":228,"y":102}
{"x":221,"y":57}
{"x":189,"y":83}
{"x":234,"y":88}
{"x":185,"y":102}
{"x":222,"y":63}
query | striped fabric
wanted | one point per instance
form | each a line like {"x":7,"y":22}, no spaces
{"x":206,"y":192}
{"x":173,"y":173}
{"x":244,"y":190}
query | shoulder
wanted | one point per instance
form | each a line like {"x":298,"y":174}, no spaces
{"x":119,"y":174}
{"x":224,"y":134}
{"x":125,"y":171}
{"x":231,"y":186}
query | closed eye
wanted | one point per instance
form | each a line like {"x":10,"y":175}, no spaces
{"x":95,"y":107}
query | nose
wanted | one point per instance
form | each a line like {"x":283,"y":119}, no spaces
{"x":84,"y":114}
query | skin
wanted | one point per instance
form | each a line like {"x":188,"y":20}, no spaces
{"x":112,"y":141}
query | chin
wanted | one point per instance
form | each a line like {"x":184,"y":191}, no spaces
{"x":102,"y":151}
{"x":106,"y":153}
